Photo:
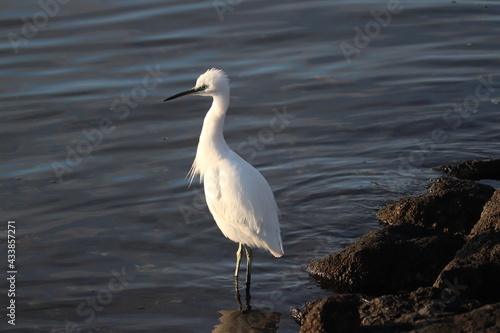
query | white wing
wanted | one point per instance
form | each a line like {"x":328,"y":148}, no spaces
{"x":243,"y":204}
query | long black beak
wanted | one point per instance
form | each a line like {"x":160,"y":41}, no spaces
{"x":184,"y":93}
{"x":187,"y":92}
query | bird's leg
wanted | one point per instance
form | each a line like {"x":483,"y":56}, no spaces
{"x":238,"y":259}
{"x":237,"y":293}
{"x":248,"y":250}
{"x":247,"y":297}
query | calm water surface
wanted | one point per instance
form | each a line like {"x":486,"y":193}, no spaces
{"x":342,"y":105}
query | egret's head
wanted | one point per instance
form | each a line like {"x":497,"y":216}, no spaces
{"x":212,"y":82}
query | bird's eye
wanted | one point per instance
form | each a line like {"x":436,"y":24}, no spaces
{"x":202,"y":87}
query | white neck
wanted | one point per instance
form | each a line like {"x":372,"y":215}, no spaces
{"x":212,"y":145}
{"x":211,"y":137}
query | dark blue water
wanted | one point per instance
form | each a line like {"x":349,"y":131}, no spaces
{"x":342,"y":105}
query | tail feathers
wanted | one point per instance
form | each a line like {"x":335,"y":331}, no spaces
{"x":277,"y":254}
{"x":277,"y":249}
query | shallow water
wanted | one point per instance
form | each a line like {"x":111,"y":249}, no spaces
{"x":109,"y":236}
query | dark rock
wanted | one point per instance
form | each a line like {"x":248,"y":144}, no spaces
{"x":484,"y":319}
{"x":473,"y":170}
{"x":475,"y":270}
{"x":490,"y":217}
{"x":416,"y":310}
{"x":426,"y":248}
{"x":337,"y":313}
{"x":450,"y":205}
{"x":300,"y":315}
{"x":396,"y":313}
{"x":393,"y":259}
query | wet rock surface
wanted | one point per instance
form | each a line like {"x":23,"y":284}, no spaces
{"x":434,"y":268}
{"x":483,"y":319}
{"x":473,"y":170}
{"x":450,"y":205}
{"x":477,"y":267}
{"x":414,"y":310}
{"x":390,"y":260}
{"x":337,"y":313}
{"x":490,"y":216}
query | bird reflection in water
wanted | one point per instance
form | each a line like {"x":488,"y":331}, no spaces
{"x":247,"y":319}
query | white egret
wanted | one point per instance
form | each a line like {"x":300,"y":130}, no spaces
{"x":237,"y":195}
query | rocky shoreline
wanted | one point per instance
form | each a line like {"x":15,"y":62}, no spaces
{"x":433,"y":267}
